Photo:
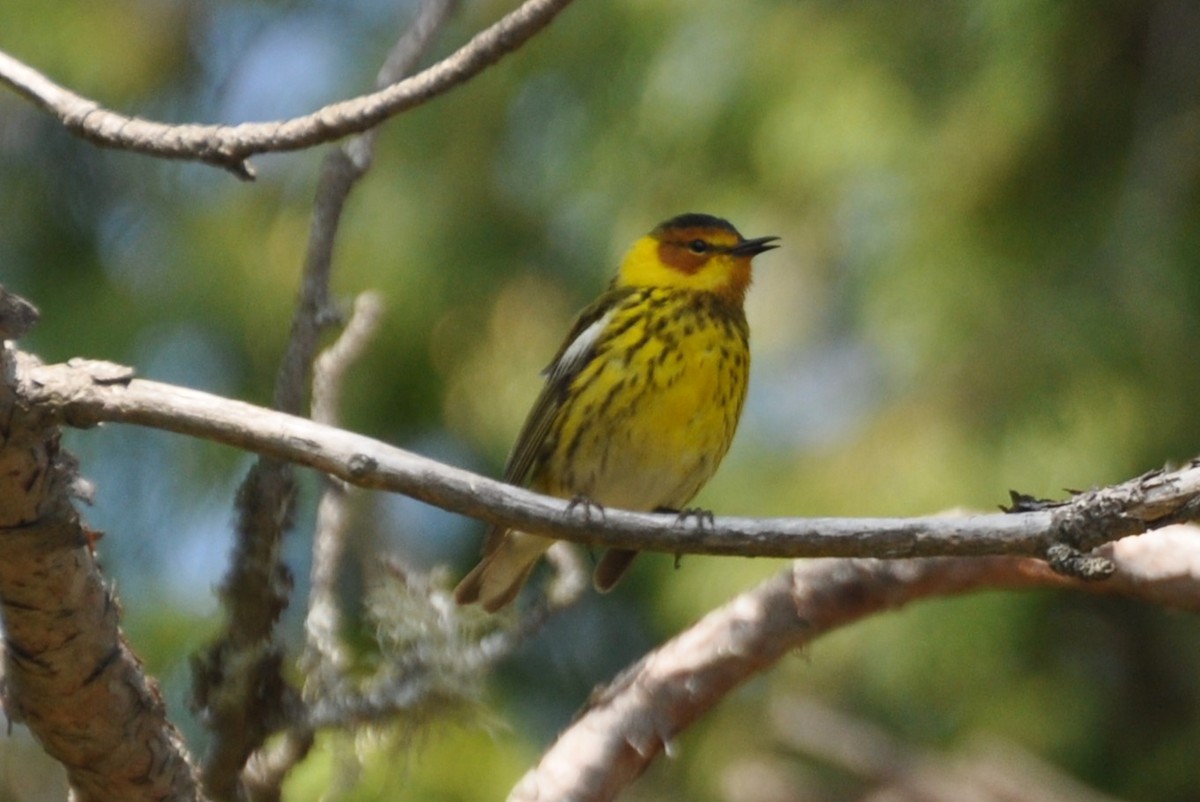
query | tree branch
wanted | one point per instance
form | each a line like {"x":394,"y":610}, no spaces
{"x":322,"y":625}
{"x":73,"y":394}
{"x":238,"y":680}
{"x":341,"y":170}
{"x":324,"y":657}
{"x":625,"y":726}
{"x":68,"y":673}
{"x":230,"y":146}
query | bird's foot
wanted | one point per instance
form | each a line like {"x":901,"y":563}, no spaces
{"x":587,"y":508}
{"x":702,"y":517}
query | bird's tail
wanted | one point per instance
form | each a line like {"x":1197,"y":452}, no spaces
{"x":611,"y":568}
{"x":498,"y":578}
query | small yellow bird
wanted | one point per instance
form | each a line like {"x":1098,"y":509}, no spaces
{"x":642,"y":399}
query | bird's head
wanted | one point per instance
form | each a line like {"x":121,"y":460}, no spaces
{"x":695,"y":252}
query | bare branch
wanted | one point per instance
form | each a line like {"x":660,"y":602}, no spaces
{"x":68,"y":673}
{"x":233,"y":673}
{"x":341,"y":170}
{"x":323,"y":621}
{"x":268,"y":768}
{"x":1154,"y":500}
{"x":270,"y":485}
{"x":627,"y":725}
{"x":230,"y":146}
{"x":238,"y":685}
{"x":324,"y":658}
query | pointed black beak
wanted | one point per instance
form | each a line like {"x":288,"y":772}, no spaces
{"x":753,"y":247}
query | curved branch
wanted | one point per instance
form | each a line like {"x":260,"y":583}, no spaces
{"x":85,"y":393}
{"x":627,"y":725}
{"x":229,"y":146}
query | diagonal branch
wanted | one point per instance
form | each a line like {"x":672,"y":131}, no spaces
{"x":71,"y":392}
{"x":625,"y":726}
{"x":229,"y":146}
{"x":68,"y":673}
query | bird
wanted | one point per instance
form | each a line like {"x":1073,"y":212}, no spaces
{"x":641,"y":401}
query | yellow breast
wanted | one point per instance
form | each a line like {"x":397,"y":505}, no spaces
{"x":646,"y":422}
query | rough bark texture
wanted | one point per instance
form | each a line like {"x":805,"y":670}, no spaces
{"x":68,"y":673}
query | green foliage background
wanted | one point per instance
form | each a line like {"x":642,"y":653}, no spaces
{"x":989,"y":280}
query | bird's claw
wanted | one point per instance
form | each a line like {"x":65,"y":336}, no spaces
{"x":702,"y":517}
{"x":589,"y":507}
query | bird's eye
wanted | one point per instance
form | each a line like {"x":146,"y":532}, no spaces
{"x":698,"y":246}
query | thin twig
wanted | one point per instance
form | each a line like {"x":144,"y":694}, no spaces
{"x":324,"y":658}
{"x":341,"y":170}
{"x":625,"y":726}
{"x":270,"y":486}
{"x":323,"y":621}
{"x":268,"y":768}
{"x":1146,"y":502}
{"x":230,"y":146}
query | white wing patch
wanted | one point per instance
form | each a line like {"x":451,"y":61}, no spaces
{"x":575,"y":354}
